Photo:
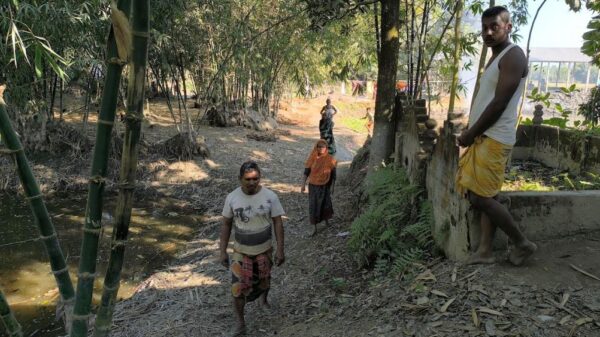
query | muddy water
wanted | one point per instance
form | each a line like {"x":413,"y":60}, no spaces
{"x":156,"y":234}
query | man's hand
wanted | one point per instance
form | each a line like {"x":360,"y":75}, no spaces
{"x":279,"y":257}
{"x":224,"y":260}
{"x":303,"y":188}
{"x":465,"y":139}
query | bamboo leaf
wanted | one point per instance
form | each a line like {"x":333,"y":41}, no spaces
{"x":439,"y":293}
{"x":490,"y":311}
{"x":476,"y":321}
{"x":38,"y":62}
{"x":584,"y":320}
{"x":444,"y":307}
{"x":122,"y":31}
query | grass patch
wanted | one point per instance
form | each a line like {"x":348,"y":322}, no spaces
{"x":355,"y":124}
{"x":532,"y":176}
{"x":353,"y":108}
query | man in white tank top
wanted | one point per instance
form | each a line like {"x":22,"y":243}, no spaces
{"x":490,"y":136}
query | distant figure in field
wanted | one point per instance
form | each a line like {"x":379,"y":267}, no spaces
{"x":370,"y":120}
{"x":319,"y":170}
{"x":253,"y":211}
{"x":490,"y":137}
{"x":326,"y":125}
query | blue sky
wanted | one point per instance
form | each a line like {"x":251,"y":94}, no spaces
{"x":556,"y":26}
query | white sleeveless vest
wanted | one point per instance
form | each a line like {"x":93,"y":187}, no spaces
{"x":504,"y":130}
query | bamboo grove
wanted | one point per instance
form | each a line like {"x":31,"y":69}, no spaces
{"x":226,"y":54}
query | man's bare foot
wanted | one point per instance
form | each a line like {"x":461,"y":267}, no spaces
{"x":479,"y":258}
{"x":520,"y":253}
{"x":239,"y":330}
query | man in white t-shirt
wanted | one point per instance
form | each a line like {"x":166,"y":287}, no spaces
{"x":252,"y":211}
{"x":491,"y":135}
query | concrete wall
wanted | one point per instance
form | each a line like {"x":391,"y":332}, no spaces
{"x":548,"y":215}
{"x":558,"y":148}
{"x":541,"y":215}
{"x":412,"y":155}
{"x":450,"y":210}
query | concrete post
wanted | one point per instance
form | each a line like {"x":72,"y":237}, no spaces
{"x":587,"y":78}
{"x":537,"y":114}
{"x":547,"y":77}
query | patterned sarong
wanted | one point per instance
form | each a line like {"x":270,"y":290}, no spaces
{"x":250,"y":275}
{"x":481,"y":167}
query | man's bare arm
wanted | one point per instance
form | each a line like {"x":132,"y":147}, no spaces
{"x":279,"y":252}
{"x":512,"y":68}
{"x":226,"y":224}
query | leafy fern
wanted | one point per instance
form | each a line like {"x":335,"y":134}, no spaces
{"x":395,"y":230}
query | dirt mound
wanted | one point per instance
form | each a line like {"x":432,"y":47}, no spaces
{"x":286,"y":121}
{"x":262,"y":136}
{"x":63,"y":138}
{"x":225,"y":116}
{"x":182,"y":146}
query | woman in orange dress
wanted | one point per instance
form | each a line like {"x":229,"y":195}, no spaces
{"x":319,"y":171}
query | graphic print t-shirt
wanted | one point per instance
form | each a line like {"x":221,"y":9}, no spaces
{"x":252,"y":219}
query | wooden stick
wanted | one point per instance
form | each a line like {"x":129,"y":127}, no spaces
{"x":585,"y":272}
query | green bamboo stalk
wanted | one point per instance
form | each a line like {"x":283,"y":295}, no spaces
{"x":38,"y":207}
{"x":10,"y":322}
{"x":135,"y":115}
{"x":457,"y":54}
{"x":117,"y":52}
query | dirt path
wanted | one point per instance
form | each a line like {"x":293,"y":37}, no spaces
{"x":318,"y":292}
{"x":192,"y":296}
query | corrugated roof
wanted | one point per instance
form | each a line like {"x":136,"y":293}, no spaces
{"x":558,"y":55}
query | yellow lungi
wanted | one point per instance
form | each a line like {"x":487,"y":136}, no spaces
{"x":481,"y":167}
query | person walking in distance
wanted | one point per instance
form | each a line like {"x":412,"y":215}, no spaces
{"x":326,"y":125}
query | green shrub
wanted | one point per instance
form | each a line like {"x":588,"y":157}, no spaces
{"x":591,"y":109}
{"x":395,"y":230}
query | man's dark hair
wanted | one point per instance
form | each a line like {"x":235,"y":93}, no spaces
{"x":248,"y":167}
{"x":497,"y":11}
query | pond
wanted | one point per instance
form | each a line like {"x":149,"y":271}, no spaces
{"x":157,"y":233}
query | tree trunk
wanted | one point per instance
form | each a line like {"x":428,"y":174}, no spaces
{"x":52,"y":98}
{"x":86,"y":109}
{"x":60,"y":98}
{"x":10,"y":322}
{"x":163,"y":87}
{"x":377,"y":29}
{"x":135,"y":115}
{"x":421,"y":50}
{"x":457,"y":54}
{"x":385,"y":121}
{"x":92,"y":228}
{"x":38,"y":207}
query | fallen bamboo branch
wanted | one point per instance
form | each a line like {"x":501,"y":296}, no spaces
{"x":585,"y":272}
